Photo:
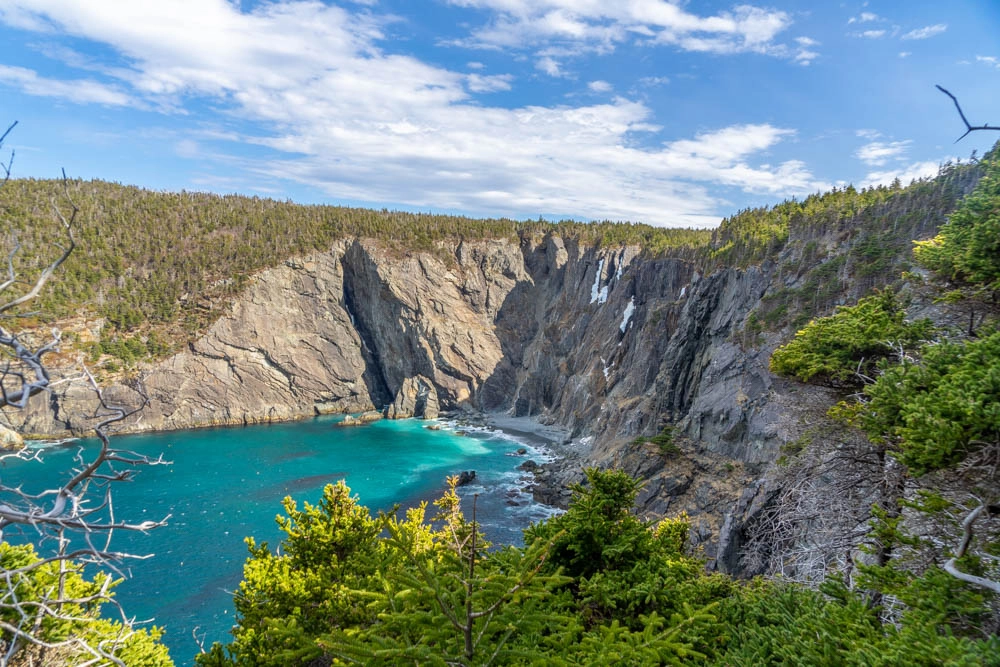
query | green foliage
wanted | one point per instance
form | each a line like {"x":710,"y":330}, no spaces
{"x":406,"y":590}
{"x":169,"y":261}
{"x":593,"y":586}
{"x":758,"y":234}
{"x":967,"y":249}
{"x":664,"y":441}
{"x":782,"y":624}
{"x":287,"y":599}
{"x":624,"y":569}
{"x":77,"y":620}
{"x":937,"y":411}
{"x":833,"y":350}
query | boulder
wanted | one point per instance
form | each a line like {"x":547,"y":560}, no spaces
{"x":415,"y":398}
{"x":362,"y":419}
{"x":10,"y":439}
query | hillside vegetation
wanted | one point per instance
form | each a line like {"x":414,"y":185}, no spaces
{"x":159,"y":267}
{"x":598,"y":586}
{"x":164,"y":264}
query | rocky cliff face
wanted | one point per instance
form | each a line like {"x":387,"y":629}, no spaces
{"x":605,"y":342}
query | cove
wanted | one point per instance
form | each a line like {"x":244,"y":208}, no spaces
{"x":223,"y":484}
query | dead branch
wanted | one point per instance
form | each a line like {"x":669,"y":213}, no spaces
{"x":10,"y":162}
{"x":968,"y":126}
{"x":963,"y":546}
{"x":72,"y":524}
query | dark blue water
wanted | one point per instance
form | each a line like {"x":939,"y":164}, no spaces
{"x":224,"y":484}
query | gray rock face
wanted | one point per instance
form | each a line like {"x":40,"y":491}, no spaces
{"x":416,"y":398}
{"x":602,"y":342}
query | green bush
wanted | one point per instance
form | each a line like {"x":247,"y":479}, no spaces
{"x":940,"y":409}
{"x":77,"y":620}
{"x":834,"y":350}
{"x":967,"y":248}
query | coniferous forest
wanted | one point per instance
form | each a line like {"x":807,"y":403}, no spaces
{"x":596,"y":585}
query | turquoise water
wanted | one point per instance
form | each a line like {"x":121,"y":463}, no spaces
{"x":224,"y":484}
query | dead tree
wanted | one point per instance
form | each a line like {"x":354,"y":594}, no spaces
{"x":69,"y":524}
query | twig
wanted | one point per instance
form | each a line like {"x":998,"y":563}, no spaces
{"x":969,"y":127}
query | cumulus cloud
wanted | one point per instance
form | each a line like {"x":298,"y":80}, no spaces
{"x":550,"y":66}
{"x":925,"y":32}
{"x":872,"y":34}
{"x":878,"y":153}
{"x":362,"y":124}
{"x":599,"y":86}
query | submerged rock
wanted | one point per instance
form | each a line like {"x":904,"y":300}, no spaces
{"x":466,"y":477}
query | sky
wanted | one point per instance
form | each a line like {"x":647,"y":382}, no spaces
{"x":669,"y":113}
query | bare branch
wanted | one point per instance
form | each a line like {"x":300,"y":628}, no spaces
{"x":50,"y":269}
{"x":969,"y":127}
{"x":10,"y":163}
{"x":963,"y":546}
{"x":71,"y":525}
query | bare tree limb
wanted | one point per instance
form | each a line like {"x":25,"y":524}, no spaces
{"x":963,"y":546}
{"x":968,"y":126}
{"x":10,"y":163}
{"x":70,"y":524}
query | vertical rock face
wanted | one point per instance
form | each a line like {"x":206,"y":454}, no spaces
{"x":605,"y":342}
{"x":416,"y":398}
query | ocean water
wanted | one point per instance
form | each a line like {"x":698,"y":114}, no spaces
{"x":223,"y":484}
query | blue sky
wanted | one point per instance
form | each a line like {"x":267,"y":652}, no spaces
{"x":674,"y":114}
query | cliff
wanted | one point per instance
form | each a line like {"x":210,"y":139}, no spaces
{"x":610,"y":343}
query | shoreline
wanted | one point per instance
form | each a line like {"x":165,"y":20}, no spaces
{"x":560,"y":459}
{"x":549,"y":480}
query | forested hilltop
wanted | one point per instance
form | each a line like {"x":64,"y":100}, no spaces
{"x":149,"y":259}
{"x":159,"y":267}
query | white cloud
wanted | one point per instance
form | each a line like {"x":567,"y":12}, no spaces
{"x":911,"y":172}
{"x":989,"y":60}
{"x":479,"y":83}
{"x":864,"y":17}
{"x":805,"y":56}
{"x":603,"y":25}
{"x":877,"y":153}
{"x":868,"y":134}
{"x":654,"y":80}
{"x":925,"y":32}
{"x":600,"y":86}
{"x":361,"y":124}
{"x":80,"y":91}
{"x":550,"y":66}
{"x":872,"y":34}
{"x":905,"y":54}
